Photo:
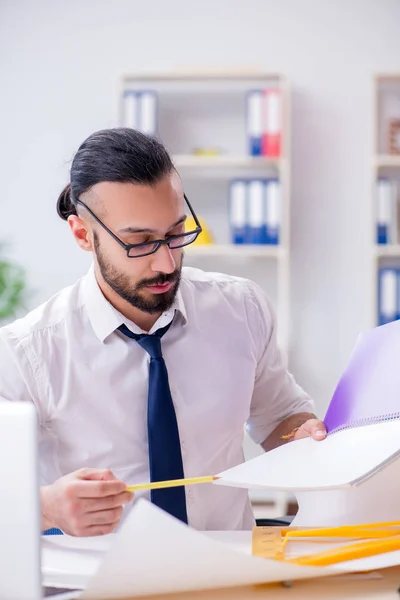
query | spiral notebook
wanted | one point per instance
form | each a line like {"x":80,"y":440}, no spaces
{"x":363,"y":427}
{"x":369,"y":389}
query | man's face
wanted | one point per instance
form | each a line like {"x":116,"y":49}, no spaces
{"x":138,"y":214}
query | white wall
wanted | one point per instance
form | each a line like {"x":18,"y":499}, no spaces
{"x":59,"y":68}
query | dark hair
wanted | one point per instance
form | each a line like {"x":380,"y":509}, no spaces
{"x":119,"y":155}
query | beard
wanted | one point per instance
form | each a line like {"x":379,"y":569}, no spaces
{"x":137,"y":295}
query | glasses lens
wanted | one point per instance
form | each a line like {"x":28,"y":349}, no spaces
{"x":142,"y":250}
{"x":183,"y":240}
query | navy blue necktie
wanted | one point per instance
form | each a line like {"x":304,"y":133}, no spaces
{"x":165,"y":455}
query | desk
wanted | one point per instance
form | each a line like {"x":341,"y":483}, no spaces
{"x":325,"y":588}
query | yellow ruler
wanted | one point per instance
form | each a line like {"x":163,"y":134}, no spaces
{"x":267,"y":542}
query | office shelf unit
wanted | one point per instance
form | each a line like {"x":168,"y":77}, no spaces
{"x":385,"y":164}
{"x":201,"y":119}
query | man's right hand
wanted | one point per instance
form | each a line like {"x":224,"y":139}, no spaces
{"x":84,"y":503}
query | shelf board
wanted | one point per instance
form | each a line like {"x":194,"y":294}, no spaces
{"x":188,"y":161}
{"x":200,"y":75}
{"x":390,"y":250}
{"x":387,"y":160}
{"x":236,"y":250}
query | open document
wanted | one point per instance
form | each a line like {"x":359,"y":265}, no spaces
{"x":352,"y":476}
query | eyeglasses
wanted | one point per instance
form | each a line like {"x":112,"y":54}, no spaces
{"x":146,"y":248}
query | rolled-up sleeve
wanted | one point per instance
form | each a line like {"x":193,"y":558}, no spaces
{"x":276,"y":394}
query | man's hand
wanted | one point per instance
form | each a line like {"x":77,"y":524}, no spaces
{"x":312,"y":428}
{"x":84,"y":503}
{"x":295,"y":427}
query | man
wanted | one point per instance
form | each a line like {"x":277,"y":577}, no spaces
{"x":144,"y":370}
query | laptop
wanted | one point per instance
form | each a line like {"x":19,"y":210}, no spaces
{"x":20,"y":516}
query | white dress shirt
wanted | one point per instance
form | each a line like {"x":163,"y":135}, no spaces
{"x":89,"y":384}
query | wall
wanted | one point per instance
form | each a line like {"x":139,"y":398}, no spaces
{"x":59,"y":68}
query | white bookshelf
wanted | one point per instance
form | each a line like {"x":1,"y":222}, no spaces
{"x":199,"y":109}
{"x":386,"y":87}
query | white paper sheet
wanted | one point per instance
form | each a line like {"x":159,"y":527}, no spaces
{"x":154,"y":553}
{"x":70,"y":561}
{"x":342,"y":459}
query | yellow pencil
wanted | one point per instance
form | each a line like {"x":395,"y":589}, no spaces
{"x":156,"y":485}
{"x":350,"y":552}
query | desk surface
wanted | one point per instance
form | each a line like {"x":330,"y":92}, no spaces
{"x":326,"y":588}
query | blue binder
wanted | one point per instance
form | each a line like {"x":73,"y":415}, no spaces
{"x":254,"y":122}
{"x":131,"y":109}
{"x":256,"y":212}
{"x":386,"y":205}
{"x":238,"y":211}
{"x":148,"y":109}
{"x":388,"y":297}
{"x":273,"y":203}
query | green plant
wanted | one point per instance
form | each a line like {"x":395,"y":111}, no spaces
{"x":12,"y":286}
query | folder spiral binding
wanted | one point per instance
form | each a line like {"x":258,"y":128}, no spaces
{"x":387,"y":211}
{"x":140,"y":111}
{"x":255,"y":211}
{"x":264,"y":122}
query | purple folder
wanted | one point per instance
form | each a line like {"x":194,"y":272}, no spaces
{"x":369,"y":389}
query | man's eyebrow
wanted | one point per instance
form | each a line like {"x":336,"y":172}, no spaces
{"x":145,"y":230}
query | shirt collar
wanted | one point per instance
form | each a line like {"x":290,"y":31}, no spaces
{"x":105,"y":319}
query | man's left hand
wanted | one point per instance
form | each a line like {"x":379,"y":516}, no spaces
{"x":312,"y":428}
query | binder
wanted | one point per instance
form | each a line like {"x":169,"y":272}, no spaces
{"x":272,"y":123}
{"x":238,"y":211}
{"x":131,"y":109}
{"x":386,"y":232}
{"x":254,"y":121}
{"x":398,"y":294}
{"x":148,"y":112}
{"x":273,"y":210}
{"x":387,"y":295}
{"x":257,"y":230}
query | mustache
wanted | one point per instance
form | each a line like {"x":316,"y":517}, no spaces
{"x":161,"y":279}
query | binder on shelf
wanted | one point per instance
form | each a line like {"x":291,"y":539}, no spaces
{"x":140,"y":111}
{"x":238,"y":211}
{"x":256,"y":212}
{"x":273,"y":207}
{"x":387,"y":214}
{"x":131,"y":109}
{"x":398,"y":294}
{"x":148,"y":112}
{"x":388,"y":298}
{"x":254,"y":122}
{"x":272,"y":123}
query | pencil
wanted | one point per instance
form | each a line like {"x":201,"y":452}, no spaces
{"x":156,"y":485}
{"x":350,"y":552}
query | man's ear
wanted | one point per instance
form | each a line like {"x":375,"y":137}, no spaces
{"x":81,"y":232}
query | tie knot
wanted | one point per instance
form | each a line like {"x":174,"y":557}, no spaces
{"x":152,"y":345}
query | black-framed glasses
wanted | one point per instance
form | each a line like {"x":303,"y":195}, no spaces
{"x":146,"y":248}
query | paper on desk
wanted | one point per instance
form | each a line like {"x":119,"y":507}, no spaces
{"x":72,"y":561}
{"x":153,"y":553}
